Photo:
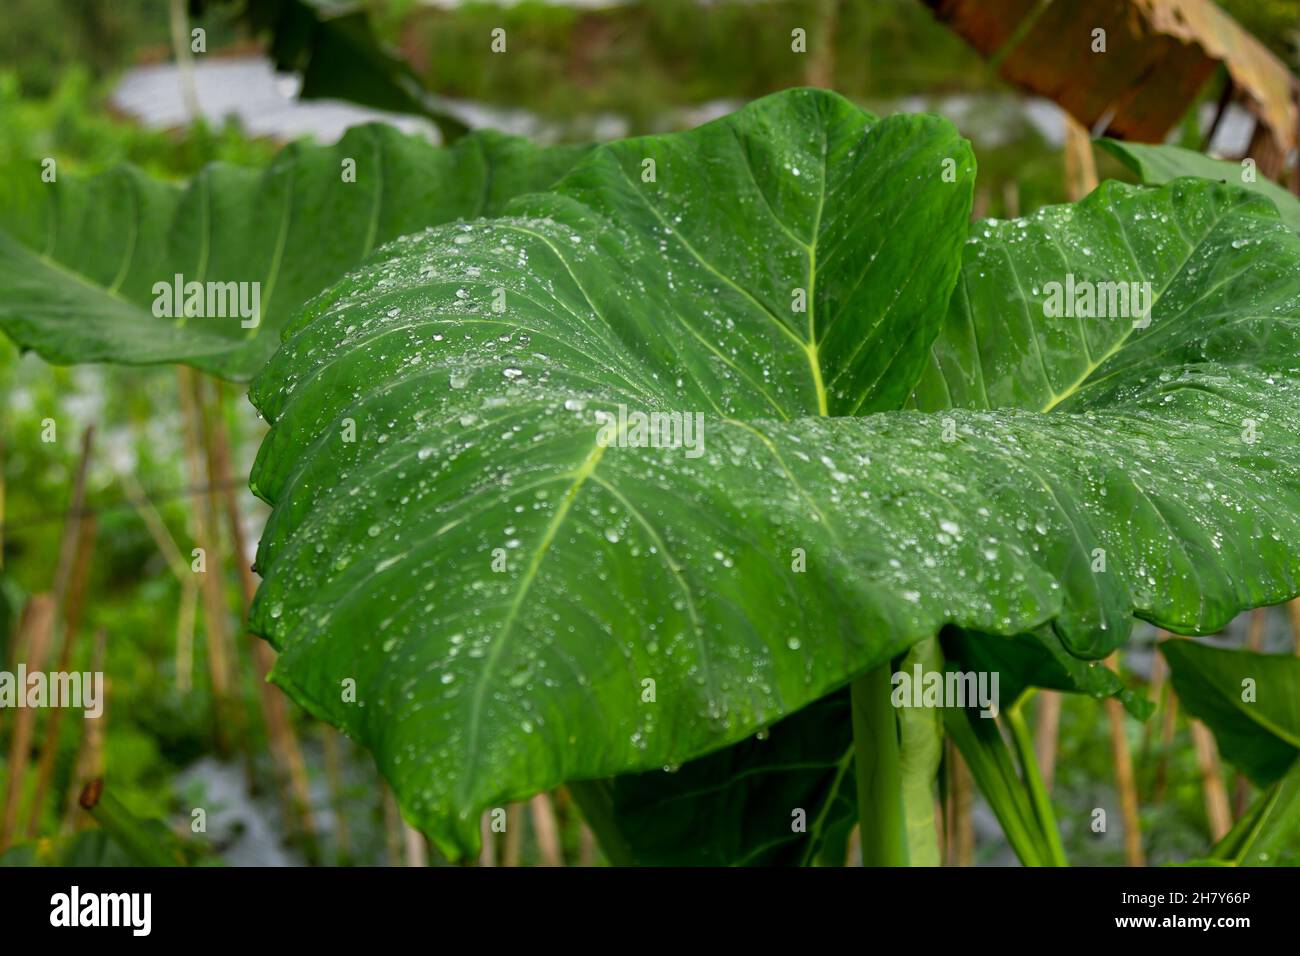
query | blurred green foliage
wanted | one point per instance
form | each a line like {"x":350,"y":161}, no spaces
{"x":73,"y":124}
{"x":635,"y":59}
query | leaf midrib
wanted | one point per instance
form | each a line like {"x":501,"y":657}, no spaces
{"x":810,"y":347}
{"x":579,"y":476}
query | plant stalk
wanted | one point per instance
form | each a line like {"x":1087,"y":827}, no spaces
{"x":36,"y":636}
{"x":985,"y":752}
{"x":1023,"y":741}
{"x":75,"y":601}
{"x":881,"y":815}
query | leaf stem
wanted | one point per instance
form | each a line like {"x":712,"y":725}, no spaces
{"x":881,"y":814}
{"x":145,"y":846}
{"x":985,"y":753}
{"x":1023,"y":741}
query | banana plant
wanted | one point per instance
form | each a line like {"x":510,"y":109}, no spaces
{"x":652,"y":480}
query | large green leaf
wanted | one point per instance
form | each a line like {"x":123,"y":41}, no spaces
{"x":1251,"y":702}
{"x":1203,"y":440}
{"x":1160,"y":164}
{"x":475,"y":430}
{"x":1023,"y":661}
{"x":79,"y":257}
{"x":617,"y":291}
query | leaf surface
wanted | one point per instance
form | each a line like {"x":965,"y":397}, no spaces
{"x":477,"y":430}
{"x":80,"y":258}
{"x":1176,"y":532}
{"x":1157,"y":165}
{"x":500,"y":571}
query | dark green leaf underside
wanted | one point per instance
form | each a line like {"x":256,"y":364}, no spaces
{"x":761,"y":802}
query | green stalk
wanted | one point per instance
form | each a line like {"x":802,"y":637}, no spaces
{"x":146,"y":842}
{"x":984,"y":751}
{"x":1033,"y":779}
{"x":1271,"y":820}
{"x":881,"y":815}
{"x":920,"y":752}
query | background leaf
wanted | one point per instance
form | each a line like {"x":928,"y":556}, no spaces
{"x":333,"y":46}
{"x":1259,"y":737}
{"x":1037,"y":659}
{"x":1267,"y":826}
{"x":1158,"y":164}
{"x":79,"y":258}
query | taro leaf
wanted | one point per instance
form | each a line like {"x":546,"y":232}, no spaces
{"x":1175,"y":513}
{"x":738,"y":806}
{"x":419,"y":439}
{"x":1157,"y":165}
{"x":1261,"y":737}
{"x":476,"y":431}
{"x":1037,"y":659}
{"x":79,"y":257}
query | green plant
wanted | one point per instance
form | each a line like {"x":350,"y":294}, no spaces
{"x":904,"y":456}
{"x":289,"y":227}
{"x":123,"y":839}
{"x":1252,"y":703}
